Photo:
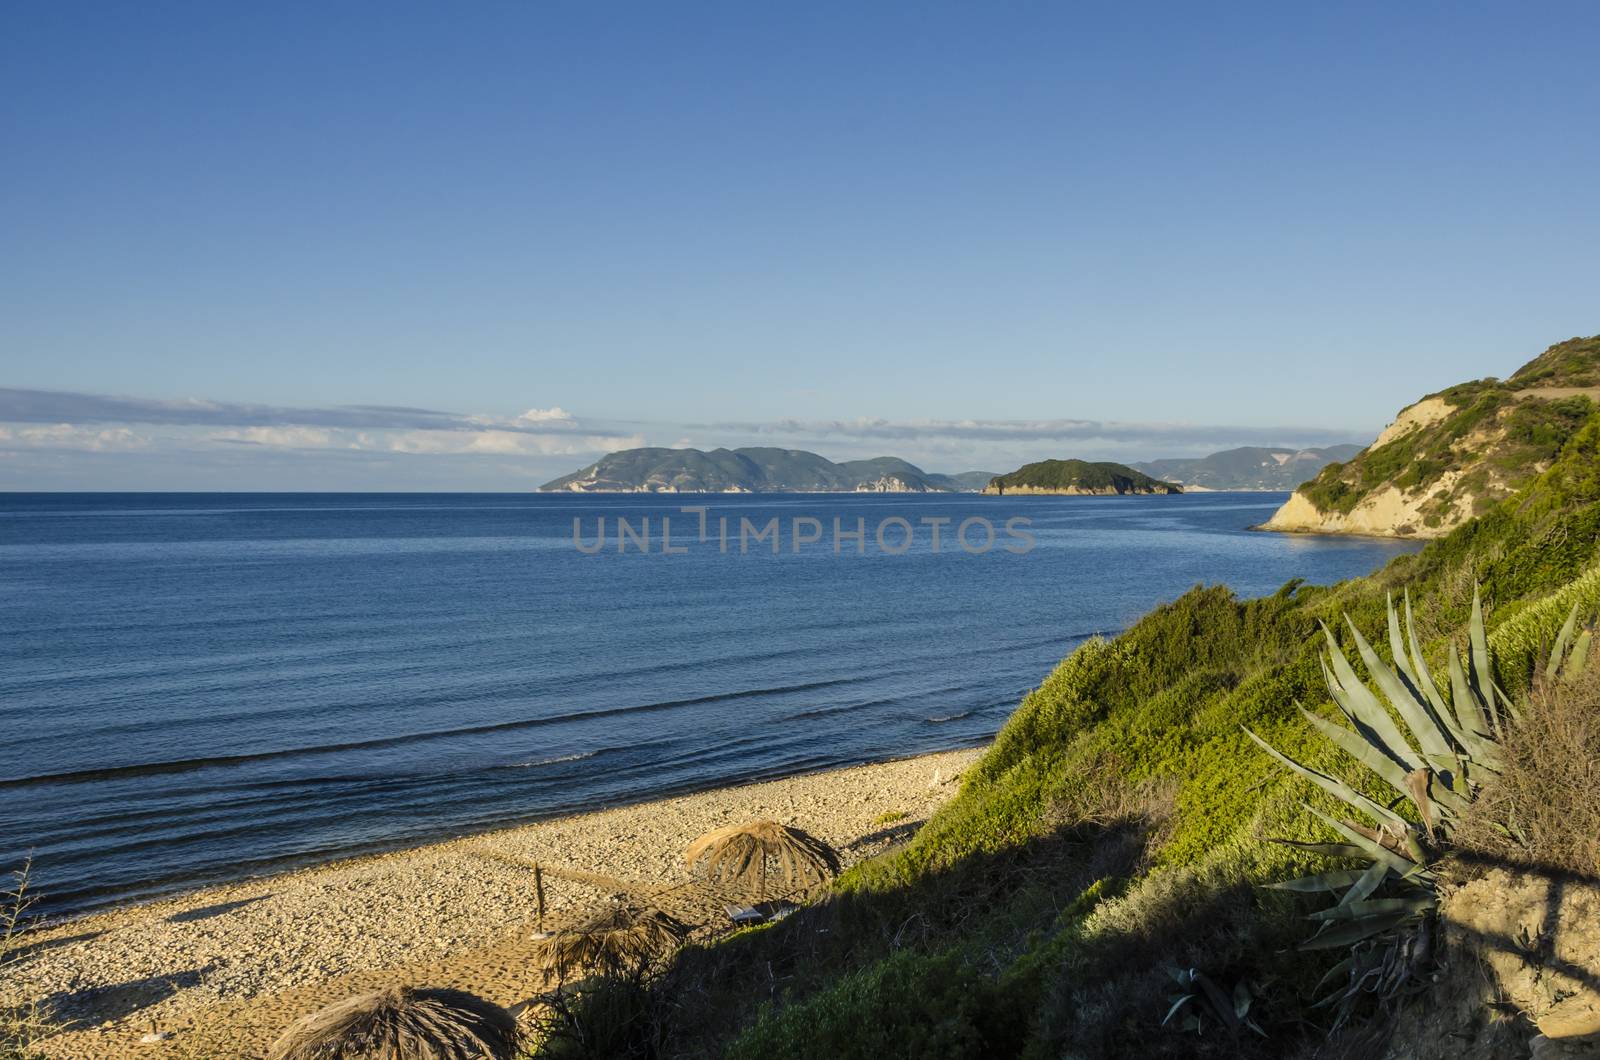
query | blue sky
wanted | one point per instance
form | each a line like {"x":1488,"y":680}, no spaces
{"x":965,"y":234}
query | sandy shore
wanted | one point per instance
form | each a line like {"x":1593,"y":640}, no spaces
{"x":219,"y":972}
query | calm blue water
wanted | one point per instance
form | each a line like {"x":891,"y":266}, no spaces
{"x":200,"y":686}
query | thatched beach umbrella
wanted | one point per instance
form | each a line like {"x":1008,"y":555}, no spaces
{"x":402,"y":1023}
{"x":619,"y":940}
{"x":739,"y":857}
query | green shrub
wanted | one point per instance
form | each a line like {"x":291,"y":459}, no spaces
{"x":906,"y":1007}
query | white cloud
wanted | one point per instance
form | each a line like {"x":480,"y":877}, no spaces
{"x":553,"y":414}
{"x":71,"y":436}
{"x":281,"y":437}
{"x":507,"y":443}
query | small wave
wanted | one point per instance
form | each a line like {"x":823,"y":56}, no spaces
{"x":534,"y":763}
{"x":940,"y":719}
{"x":183,"y":765}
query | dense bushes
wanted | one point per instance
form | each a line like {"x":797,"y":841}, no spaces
{"x":1544,"y":809}
{"x":905,"y":1007}
{"x":1115,"y":827}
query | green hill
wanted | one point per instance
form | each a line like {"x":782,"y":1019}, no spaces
{"x":1076,"y":477}
{"x":1248,"y":467}
{"x":1456,"y":453}
{"x":753,"y":470}
{"x":1113,"y":836}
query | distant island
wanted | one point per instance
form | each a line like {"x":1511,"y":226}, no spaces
{"x":1248,"y":468}
{"x":757,"y":470}
{"x":1076,"y":477}
{"x":772,"y":470}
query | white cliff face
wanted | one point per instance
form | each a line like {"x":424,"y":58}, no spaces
{"x":1424,"y":413}
{"x":1383,"y":513}
{"x":889,"y":484}
{"x":1427,"y":510}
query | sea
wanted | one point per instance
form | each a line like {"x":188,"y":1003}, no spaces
{"x":202,"y":687}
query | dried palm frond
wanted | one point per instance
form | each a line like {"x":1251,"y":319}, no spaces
{"x":740,"y":857}
{"x":402,"y":1024}
{"x":620,"y":940}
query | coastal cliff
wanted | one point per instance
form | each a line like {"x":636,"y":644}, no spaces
{"x":1453,"y":454}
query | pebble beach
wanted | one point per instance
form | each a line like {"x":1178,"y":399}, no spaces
{"x":220,"y":972}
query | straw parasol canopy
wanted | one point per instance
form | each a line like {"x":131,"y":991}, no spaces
{"x":620,"y":939}
{"x":743,"y":856}
{"x":402,"y":1023}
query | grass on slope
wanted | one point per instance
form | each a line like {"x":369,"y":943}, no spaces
{"x":1115,"y":829}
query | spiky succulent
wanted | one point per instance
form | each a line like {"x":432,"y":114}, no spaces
{"x":1569,"y":657}
{"x":1432,"y":751}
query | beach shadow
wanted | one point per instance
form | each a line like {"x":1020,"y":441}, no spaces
{"x":33,"y":949}
{"x":711,"y":988}
{"x":898,"y":832}
{"x":190,"y":916}
{"x":82,"y":1009}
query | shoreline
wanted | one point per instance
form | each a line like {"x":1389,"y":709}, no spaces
{"x":220,"y":970}
{"x":291,"y":865}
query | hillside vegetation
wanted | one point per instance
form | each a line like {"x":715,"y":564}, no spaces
{"x":1113,"y":836}
{"x":1455,"y":454}
{"x":1077,"y":476}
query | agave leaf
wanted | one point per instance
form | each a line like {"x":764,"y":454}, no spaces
{"x":1425,"y":679}
{"x":1469,"y":709}
{"x":1558,"y":653}
{"x":1578,"y":661}
{"x":1362,"y":751}
{"x":1432,"y":702}
{"x":1176,"y":1005}
{"x":1376,"y":873}
{"x":1417,"y":785}
{"x":1327,"y":850}
{"x":1371,"y":848}
{"x":1334,"y":786}
{"x":1327,"y":881}
{"x":1241,"y":999}
{"x":1478,"y":648}
{"x":1219,"y":1001}
{"x":1506,"y":704}
{"x":1345,"y":707}
{"x":1376,"y":907}
{"x":1366,"y":708}
{"x":1342,"y":968}
{"x":1434,"y":741}
{"x":1397,"y":648}
{"x":1355,"y":931}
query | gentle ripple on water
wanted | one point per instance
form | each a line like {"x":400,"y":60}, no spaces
{"x":201,"y":686}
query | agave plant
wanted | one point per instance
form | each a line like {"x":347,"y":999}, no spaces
{"x":1433,"y":757}
{"x":742,"y":856}
{"x":1569,"y":657}
{"x":621,"y":941}
{"x":1200,"y":999}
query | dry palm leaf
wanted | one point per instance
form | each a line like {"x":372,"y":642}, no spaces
{"x":619,"y":940}
{"x":740,"y":856}
{"x":402,"y":1024}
